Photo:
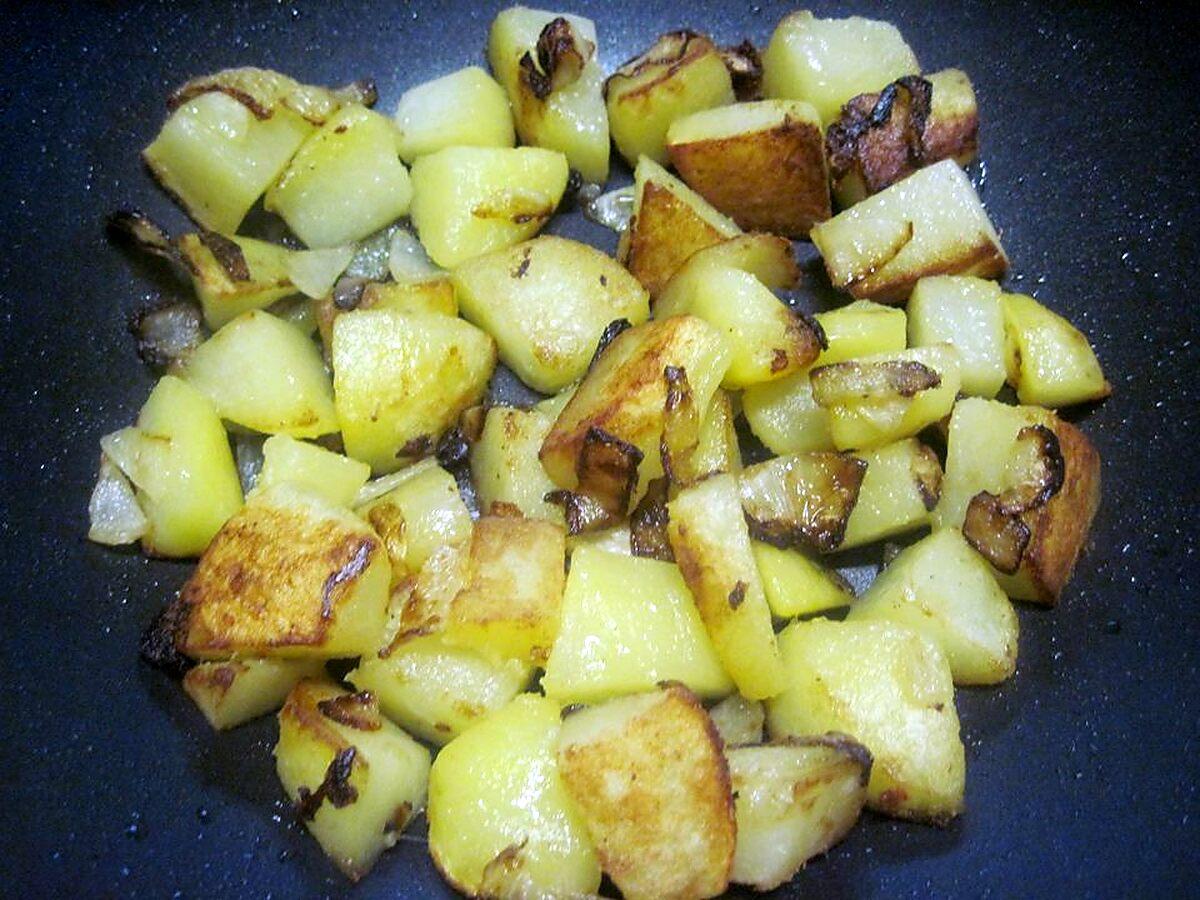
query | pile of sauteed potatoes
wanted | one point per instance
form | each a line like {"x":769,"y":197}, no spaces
{"x":585,"y":639}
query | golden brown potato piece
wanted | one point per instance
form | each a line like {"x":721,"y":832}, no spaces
{"x":648,"y":774}
{"x":762,"y":164}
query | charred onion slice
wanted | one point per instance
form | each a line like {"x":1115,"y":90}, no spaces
{"x":167,"y":334}
{"x":803,"y":500}
{"x":607,"y":470}
{"x":670,"y":52}
{"x":850,"y":382}
{"x":263,"y":91}
{"x":648,"y":523}
{"x":611,"y":332}
{"x":745,"y":70}
{"x":359,"y":711}
{"x":881,"y":137}
{"x":561,"y":55}
{"x":681,"y":428}
{"x":927,"y":475}
{"x":145,"y":233}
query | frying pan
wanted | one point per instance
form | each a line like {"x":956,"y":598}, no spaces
{"x":1081,"y":770}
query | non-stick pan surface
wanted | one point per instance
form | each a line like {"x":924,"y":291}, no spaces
{"x":1081,"y":770}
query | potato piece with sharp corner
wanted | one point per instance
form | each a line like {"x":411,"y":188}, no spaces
{"x":891,"y":688}
{"x":463,"y":109}
{"x":179,"y":460}
{"x":875,"y":400}
{"x":901,"y":487}
{"x":548,"y":65}
{"x":682,"y":73}
{"x":290,"y":575}
{"x":785,"y":417}
{"x":1049,"y":361}
{"x":717,"y":447}
{"x":796,"y":585}
{"x":652,"y":784}
{"x":401,"y":379}
{"x":942,"y":588}
{"x":988,"y":451}
{"x":356,"y":779}
{"x":627,"y":624}
{"x":233,"y":275}
{"x":432,"y":296}
{"x":624,"y":393}
{"x":967,"y":313}
{"x":426,"y":499}
{"x":437,"y":691}
{"x":611,"y":540}
{"x":216,"y":157}
{"x":546,"y":302}
{"x":669,"y":223}
{"x":504,"y":462}
{"x":767,"y":257}
{"x":235,"y":691}
{"x":762,"y":164}
{"x":930,"y":223}
{"x":345,"y":182}
{"x":470,"y":200}
{"x":861,"y":328}
{"x":553,"y":406}
{"x":829,"y":61}
{"x":801,"y":500}
{"x":511,"y":602}
{"x":738,"y":720}
{"x":794,"y":799}
{"x":496,"y":797}
{"x":330,"y":475}
{"x":712,"y":548}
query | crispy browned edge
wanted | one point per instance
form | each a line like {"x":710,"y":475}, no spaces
{"x":661,"y":237}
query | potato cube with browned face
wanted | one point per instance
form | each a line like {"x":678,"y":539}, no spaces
{"x":682,"y":73}
{"x":546,"y":302}
{"x":652,"y":784}
{"x":930,"y":223}
{"x":505,"y":468}
{"x":238,"y":690}
{"x":355,"y":778}
{"x":1049,"y":360}
{"x":762,"y":164}
{"x":235,"y":274}
{"x":289,"y":575}
{"x":463,"y":109}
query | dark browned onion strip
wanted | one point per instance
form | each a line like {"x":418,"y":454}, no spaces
{"x":648,"y":523}
{"x":745,"y":70}
{"x":561,"y":55}
{"x":607,"y":472}
{"x":166,"y":334}
{"x":855,"y":382}
{"x":802,"y":500}
{"x":681,"y":428}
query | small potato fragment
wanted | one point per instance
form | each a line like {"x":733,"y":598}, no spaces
{"x":1049,"y":361}
{"x":546,"y":302}
{"x":796,"y":585}
{"x":330,"y":475}
{"x":235,"y":691}
{"x":682,"y":73}
{"x":965,"y":312}
{"x":262,"y":373}
{"x":670,"y":222}
{"x":233,"y":275}
{"x":901,"y":487}
{"x":942,"y":588}
{"x":470,"y":200}
{"x":930,"y":223}
{"x":504,"y":462}
{"x":290,"y":575}
{"x":738,"y":720}
{"x":861,"y":328}
{"x":496,"y":799}
{"x":652,"y":784}
{"x":891,"y":688}
{"x":356,"y":779}
{"x":762,"y":164}
{"x":801,"y":500}
{"x":401,"y":379}
{"x":717,"y":447}
{"x":463,"y":109}
{"x":794,"y":799}
{"x":627,"y":624}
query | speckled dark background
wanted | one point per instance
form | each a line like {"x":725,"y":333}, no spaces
{"x":1081,"y":770}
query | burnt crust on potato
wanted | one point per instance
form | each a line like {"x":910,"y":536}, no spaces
{"x":160,"y":644}
{"x":607,"y":470}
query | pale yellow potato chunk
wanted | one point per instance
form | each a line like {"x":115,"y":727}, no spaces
{"x":505,"y":468}
{"x":797,"y":585}
{"x":901,"y":486}
{"x":1049,"y":360}
{"x":335,"y":477}
{"x":965,"y":312}
{"x":235,"y":691}
{"x":463,"y":109}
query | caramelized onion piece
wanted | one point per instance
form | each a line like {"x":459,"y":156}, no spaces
{"x":803,"y":500}
{"x":648,"y":523}
{"x":745,"y":70}
{"x":607,"y":471}
{"x":561,"y":55}
{"x":681,"y":428}
{"x":167,"y":334}
{"x":114,"y":514}
{"x":876,"y":382}
{"x":263,"y":91}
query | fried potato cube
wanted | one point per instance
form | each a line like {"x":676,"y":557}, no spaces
{"x":1049,"y":361}
{"x":546,"y":302}
{"x":345,"y":182}
{"x":330,"y":475}
{"x":762,"y":163}
{"x":624,"y":392}
{"x":498,"y":808}
{"x":649,"y":777}
{"x":470,"y":200}
{"x":290,"y":575}
{"x":828,"y":61}
{"x":356,"y":779}
{"x":942,"y":588}
{"x":216,"y":157}
{"x":801,"y":500}
{"x":712,"y":548}
{"x":627,"y":624}
{"x":738,"y":720}
{"x":682,"y":73}
{"x":463,"y":109}
{"x":965,"y":312}
{"x":670,"y":222}
{"x":400,"y":378}
{"x":900,"y":488}
{"x":796,"y":585}
{"x":794,"y":799}
{"x":232,"y":275}
{"x":861,"y":328}
{"x":435,"y":295}
{"x":891,"y":688}
{"x":435,"y":690}
{"x":982,"y":455}
{"x":785,"y":417}
{"x":235,"y":691}
{"x":262,"y":373}
{"x":548,"y":65}
{"x":505,"y":467}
